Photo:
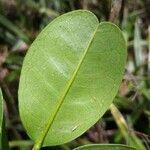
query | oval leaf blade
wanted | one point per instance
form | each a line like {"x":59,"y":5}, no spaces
{"x":70,"y":76}
{"x":105,"y":147}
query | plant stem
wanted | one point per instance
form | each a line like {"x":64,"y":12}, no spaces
{"x":20,"y":143}
{"x":130,"y":137}
{"x":115,"y":10}
{"x":119,"y":120}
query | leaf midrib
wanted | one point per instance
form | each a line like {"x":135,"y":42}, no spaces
{"x":62,"y":98}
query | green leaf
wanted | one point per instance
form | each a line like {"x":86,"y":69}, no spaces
{"x":3,"y":138}
{"x":1,"y":117}
{"x":13,"y":28}
{"x":146,"y":93}
{"x":137,"y":45}
{"x":105,"y":147}
{"x":70,"y":76}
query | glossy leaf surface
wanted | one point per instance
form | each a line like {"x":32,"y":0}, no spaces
{"x":70,"y":76}
{"x":105,"y":147}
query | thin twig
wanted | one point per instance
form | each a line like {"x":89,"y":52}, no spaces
{"x":115,"y":10}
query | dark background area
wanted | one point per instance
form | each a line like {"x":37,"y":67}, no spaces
{"x":20,"y":23}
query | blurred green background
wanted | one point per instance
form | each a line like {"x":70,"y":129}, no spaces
{"x":20,"y":23}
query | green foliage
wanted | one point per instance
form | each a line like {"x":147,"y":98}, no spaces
{"x":70,"y":76}
{"x":20,"y":23}
{"x":105,"y":147}
{"x":130,"y":137}
{"x":8,"y":24}
{"x":3,"y":139}
{"x":1,"y":116}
